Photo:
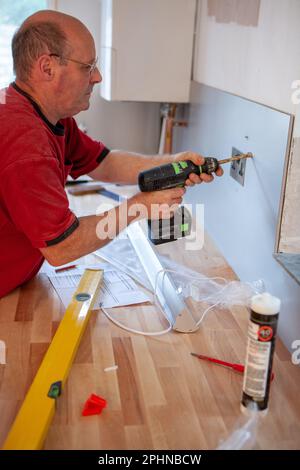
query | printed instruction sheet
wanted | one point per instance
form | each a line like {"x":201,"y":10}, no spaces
{"x":117,"y":288}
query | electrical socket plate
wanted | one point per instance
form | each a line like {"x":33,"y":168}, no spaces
{"x":238,"y":167}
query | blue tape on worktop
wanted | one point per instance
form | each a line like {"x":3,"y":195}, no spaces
{"x":110,"y":194}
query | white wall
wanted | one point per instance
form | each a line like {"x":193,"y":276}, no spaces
{"x":128,"y":126}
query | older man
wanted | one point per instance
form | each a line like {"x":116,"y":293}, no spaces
{"x":55,"y":64}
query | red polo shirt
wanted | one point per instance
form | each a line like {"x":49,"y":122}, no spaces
{"x":36,"y":158}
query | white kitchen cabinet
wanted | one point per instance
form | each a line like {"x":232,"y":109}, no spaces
{"x":146,"y":49}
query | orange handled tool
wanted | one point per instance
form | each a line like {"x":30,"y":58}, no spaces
{"x":238,"y":367}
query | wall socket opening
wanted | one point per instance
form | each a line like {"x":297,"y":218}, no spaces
{"x":238,"y":167}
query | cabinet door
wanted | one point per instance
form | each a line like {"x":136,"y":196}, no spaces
{"x":146,"y":49}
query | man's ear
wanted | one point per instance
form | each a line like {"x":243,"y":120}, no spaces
{"x":46,"y":67}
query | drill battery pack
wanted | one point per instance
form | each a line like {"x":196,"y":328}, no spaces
{"x":168,"y":230}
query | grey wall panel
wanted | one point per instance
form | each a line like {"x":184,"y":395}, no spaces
{"x":243,"y":220}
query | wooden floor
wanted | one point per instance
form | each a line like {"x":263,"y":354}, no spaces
{"x":160,"y":397}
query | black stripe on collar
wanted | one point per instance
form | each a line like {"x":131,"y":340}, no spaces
{"x":57,"y":129}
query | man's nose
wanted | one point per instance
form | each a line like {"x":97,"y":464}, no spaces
{"x":96,"y":76}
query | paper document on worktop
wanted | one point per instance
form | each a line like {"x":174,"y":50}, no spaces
{"x":117,"y":289}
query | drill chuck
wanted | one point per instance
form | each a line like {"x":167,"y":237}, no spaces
{"x":174,"y":175}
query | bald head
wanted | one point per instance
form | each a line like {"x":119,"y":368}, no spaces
{"x":45,"y":32}
{"x":68,"y":24}
{"x":51,"y":15}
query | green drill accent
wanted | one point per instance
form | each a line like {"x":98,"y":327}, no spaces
{"x":184,"y":227}
{"x":183,"y":164}
{"x":177,"y":168}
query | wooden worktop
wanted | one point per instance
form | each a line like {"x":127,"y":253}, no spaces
{"x":160,"y":397}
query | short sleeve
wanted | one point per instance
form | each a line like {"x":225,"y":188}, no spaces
{"x":36,"y":202}
{"x":84,"y":153}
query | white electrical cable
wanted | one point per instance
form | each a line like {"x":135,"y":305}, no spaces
{"x":157,"y":303}
{"x":131,"y":330}
{"x":164,"y":271}
{"x":138,"y":332}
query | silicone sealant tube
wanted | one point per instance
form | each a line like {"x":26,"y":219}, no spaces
{"x":262,"y":331}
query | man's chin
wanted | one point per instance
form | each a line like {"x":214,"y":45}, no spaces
{"x":83,"y":107}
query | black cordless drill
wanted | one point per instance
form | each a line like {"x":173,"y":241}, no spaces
{"x":172,"y":175}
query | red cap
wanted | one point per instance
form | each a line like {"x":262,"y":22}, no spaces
{"x":94,"y":405}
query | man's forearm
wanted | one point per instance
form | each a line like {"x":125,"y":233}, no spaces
{"x":93,"y":232}
{"x":124,"y":167}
